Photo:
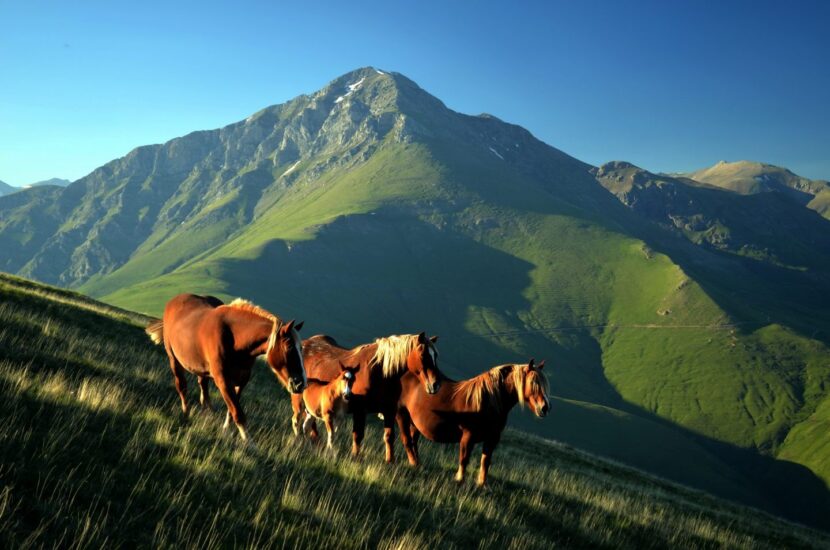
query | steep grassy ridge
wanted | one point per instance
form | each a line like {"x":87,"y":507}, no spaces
{"x":95,"y":453}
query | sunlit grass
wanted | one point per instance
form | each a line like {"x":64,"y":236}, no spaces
{"x":95,"y":452}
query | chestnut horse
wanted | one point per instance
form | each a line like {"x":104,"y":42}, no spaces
{"x":470,"y":411}
{"x":377,"y":387}
{"x":212,"y":340}
{"x":328,"y":401}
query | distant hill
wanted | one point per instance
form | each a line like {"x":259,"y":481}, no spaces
{"x":53,"y":181}
{"x":748,"y":178}
{"x":687,"y":327}
{"x":767,"y":226}
{"x":5,"y":188}
{"x":88,"y":398}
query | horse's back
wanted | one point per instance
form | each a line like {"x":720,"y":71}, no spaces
{"x":187,"y":323}
{"x":320,"y":356}
{"x":185,"y":302}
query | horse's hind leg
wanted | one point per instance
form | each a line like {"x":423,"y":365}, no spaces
{"x":488,"y":447}
{"x":181,"y":382}
{"x":464,"y":449}
{"x":389,"y":435}
{"x":416,"y":436}
{"x":404,"y":423}
{"x":204,"y":395}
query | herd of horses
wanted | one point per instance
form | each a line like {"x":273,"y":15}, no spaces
{"x":396,"y":377}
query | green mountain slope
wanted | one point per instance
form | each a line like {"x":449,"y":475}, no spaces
{"x":96,"y":453}
{"x":369,"y":208}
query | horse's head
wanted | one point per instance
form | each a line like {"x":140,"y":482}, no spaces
{"x":285,"y":356}
{"x":534,"y":388}
{"x":346,"y":380}
{"x":423,"y":363}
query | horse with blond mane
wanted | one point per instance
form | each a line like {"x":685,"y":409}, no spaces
{"x":470,"y":411}
{"x":377,"y":386}
{"x":205,"y":337}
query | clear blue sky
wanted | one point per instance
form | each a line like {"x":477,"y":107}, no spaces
{"x":668,"y":85}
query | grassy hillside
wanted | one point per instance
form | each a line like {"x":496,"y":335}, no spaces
{"x":693,"y":345}
{"x":95,"y":452}
{"x":502,"y":265}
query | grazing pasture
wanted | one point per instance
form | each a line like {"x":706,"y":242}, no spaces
{"x":95,"y":451}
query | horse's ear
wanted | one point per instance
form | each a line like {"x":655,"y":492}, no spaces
{"x":286,"y":328}
{"x":299,"y":326}
{"x":541,"y":365}
{"x":342,"y":366}
{"x":422,"y":337}
{"x":433,"y":339}
{"x":530,"y":363}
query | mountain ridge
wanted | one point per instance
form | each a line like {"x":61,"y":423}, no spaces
{"x":750,"y":177}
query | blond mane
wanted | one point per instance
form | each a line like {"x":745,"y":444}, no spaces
{"x":392,"y":352}
{"x":245,"y":305}
{"x":250,"y":307}
{"x":486,"y":385}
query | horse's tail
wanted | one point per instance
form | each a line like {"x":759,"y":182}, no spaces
{"x":154,"y":331}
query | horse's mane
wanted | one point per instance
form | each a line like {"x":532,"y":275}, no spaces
{"x":486,"y":385}
{"x":245,"y":305}
{"x":250,"y":307}
{"x":392,"y":352}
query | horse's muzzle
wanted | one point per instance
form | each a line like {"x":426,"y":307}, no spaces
{"x":297,"y":386}
{"x":542,"y":411}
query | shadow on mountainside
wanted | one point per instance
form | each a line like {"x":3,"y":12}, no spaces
{"x":343,"y":286}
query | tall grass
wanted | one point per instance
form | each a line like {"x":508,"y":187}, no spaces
{"x":95,"y":452}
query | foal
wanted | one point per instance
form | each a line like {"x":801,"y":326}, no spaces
{"x":470,"y":411}
{"x":328,"y":400}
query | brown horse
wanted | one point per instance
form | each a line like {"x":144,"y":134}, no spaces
{"x":212,"y":340}
{"x":328,"y":401}
{"x":470,"y":411}
{"x":377,"y":387}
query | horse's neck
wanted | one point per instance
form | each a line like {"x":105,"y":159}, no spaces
{"x":251,"y":332}
{"x":508,"y":392}
{"x":364,"y":354}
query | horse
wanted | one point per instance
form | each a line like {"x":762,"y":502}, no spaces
{"x":205,"y":337}
{"x":329,"y":400}
{"x":470,"y":411}
{"x":377,"y":386}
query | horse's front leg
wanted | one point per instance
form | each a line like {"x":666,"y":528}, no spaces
{"x":358,"y":428}
{"x":329,"y":421}
{"x":298,"y":408}
{"x":229,"y":394}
